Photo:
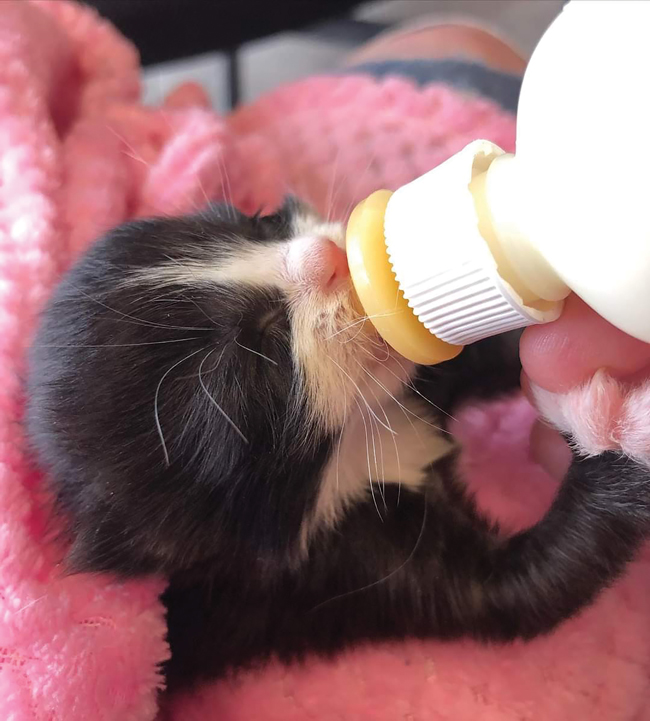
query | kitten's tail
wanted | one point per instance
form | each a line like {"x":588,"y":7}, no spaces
{"x":595,"y":525}
{"x":457,"y":577}
{"x":462,"y":578}
{"x":546,"y":574}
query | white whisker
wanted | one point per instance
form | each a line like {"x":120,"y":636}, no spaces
{"x":202,"y":189}
{"x":119,"y":345}
{"x":382,"y":487}
{"x":401,"y":405}
{"x":415,"y":390}
{"x":385,"y":348}
{"x":226,"y":187}
{"x":213,"y":401}
{"x":155,"y":401}
{"x":360,"y":178}
{"x":261,"y":355}
{"x":365,"y":428}
{"x":188,"y":268}
{"x":361,"y":321}
{"x":390,"y":430}
{"x":373,"y":426}
{"x":392,"y":573}
{"x":329,"y":203}
{"x":338,"y":449}
{"x":135,"y":319}
{"x":135,"y":155}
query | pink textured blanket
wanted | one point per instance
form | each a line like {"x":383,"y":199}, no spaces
{"x":78,"y":154}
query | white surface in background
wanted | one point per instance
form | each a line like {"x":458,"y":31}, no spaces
{"x":208,"y":70}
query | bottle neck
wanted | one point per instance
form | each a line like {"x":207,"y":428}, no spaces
{"x":453,"y":240}
{"x":505,"y":214}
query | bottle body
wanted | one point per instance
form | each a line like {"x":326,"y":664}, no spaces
{"x":582,"y":124}
{"x":487,"y":242}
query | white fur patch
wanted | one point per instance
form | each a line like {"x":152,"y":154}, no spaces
{"x":268,"y":265}
{"x":368,"y":455}
{"x":249,"y":265}
{"x":351,"y":379}
{"x":602,"y":415}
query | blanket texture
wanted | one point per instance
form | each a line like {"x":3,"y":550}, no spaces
{"x":79,"y":154}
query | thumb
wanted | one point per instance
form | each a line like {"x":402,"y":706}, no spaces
{"x":567,"y":352}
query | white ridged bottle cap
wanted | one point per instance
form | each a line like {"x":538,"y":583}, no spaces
{"x":442,"y":262}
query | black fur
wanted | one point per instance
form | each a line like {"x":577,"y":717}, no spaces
{"x":97,"y":364}
{"x":223,"y":517}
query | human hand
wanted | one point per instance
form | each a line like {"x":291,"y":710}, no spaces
{"x":563,"y":354}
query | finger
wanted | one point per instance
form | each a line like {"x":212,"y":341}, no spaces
{"x":567,"y":352}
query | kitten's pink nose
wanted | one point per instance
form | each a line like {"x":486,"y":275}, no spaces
{"x":318,"y":263}
{"x":332,"y":269}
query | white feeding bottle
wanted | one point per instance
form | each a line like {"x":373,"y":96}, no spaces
{"x":488,"y":241}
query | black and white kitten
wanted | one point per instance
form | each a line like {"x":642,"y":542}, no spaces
{"x":210,"y":406}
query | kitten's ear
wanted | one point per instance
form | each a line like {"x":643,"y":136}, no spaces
{"x":220,"y":211}
{"x":293,"y":207}
{"x":281,"y":221}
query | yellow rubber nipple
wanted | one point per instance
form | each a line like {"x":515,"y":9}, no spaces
{"x":379,"y":292}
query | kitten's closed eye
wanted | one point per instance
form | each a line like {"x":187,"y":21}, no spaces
{"x":270,"y":319}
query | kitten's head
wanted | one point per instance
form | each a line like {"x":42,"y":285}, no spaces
{"x":189,"y":383}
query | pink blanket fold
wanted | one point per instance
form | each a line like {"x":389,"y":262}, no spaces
{"x":78,"y":154}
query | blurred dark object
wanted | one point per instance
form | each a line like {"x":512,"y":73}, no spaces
{"x":171,"y":29}
{"x":165,"y":30}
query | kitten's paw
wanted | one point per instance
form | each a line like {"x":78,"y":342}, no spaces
{"x":601,"y":415}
